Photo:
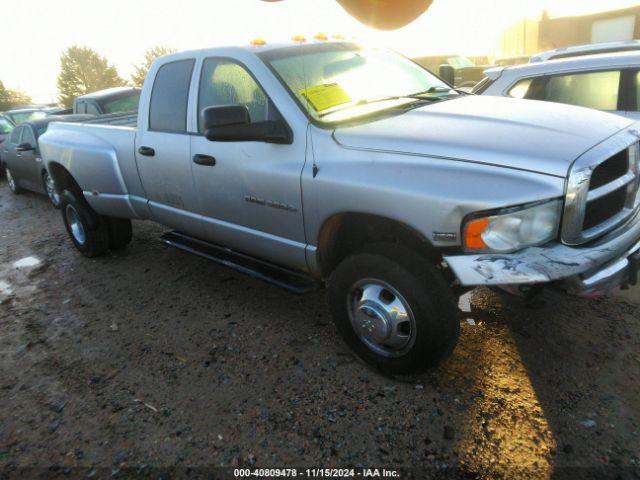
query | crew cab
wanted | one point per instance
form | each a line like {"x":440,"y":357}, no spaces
{"x":328,"y":162}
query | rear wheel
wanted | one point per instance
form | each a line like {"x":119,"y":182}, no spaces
{"x":394,"y":309}
{"x":11,"y":181}
{"x":50,"y":188}
{"x":88,"y":230}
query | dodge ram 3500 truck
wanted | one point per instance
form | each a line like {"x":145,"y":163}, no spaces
{"x":330,"y":161}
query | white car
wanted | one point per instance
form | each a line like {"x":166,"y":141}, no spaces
{"x":608,"y":82}
{"x":588,"y":49}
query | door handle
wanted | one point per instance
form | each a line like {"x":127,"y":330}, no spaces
{"x":146,"y":151}
{"x":204,"y":160}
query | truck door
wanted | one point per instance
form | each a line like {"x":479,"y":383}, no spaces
{"x":249,"y":190}
{"x":31,"y":161}
{"x":9,"y":154}
{"x":163,"y":150}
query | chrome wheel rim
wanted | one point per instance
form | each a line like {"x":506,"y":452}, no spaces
{"x":75,"y":225}
{"x":51,"y":189}
{"x":10,"y":180}
{"x":381,"y":317}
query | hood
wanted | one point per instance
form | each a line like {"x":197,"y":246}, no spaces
{"x":529,"y":135}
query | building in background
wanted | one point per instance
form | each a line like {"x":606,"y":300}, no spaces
{"x":530,"y":36}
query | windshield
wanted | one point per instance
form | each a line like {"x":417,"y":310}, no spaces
{"x":21,"y":117}
{"x":460,"y":62}
{"x":5,"y":126}
{"x":122,"y":104}
{"x":337,"y":82}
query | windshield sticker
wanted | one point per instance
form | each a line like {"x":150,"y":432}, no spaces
{"x":322,"y":97}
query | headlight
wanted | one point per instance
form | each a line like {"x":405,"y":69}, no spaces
{"x":512,"y":229}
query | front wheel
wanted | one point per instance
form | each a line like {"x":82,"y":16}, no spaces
{"x":394,"y":310}
{"x":88,"y":230}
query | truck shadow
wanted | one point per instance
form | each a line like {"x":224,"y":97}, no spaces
{"x":560,"y":384}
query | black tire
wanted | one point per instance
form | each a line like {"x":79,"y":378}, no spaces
{"x":76,"y":212}
{"x":436,"y":322}
{"x":11,"y":181}
{"x":120,"y":232}
{"x":54,"y":196}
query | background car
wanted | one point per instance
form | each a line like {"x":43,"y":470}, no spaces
{"x":32,"y":112}
{"x":588,"y":49}
{"x":606,"y":82}
{"x":21,"y":157}
{"x":109,"y":101}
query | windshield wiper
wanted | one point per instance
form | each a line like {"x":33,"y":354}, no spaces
{"x":360,"y":103}
{"x":437,"y":89}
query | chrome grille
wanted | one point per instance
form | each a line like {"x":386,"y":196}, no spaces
{"x":601,"y":195}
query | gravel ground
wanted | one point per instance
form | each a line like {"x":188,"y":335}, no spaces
{"x":152,"y":357}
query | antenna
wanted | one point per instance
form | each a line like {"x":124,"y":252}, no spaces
{"x":306,"y":84}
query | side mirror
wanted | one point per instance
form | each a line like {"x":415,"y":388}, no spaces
{"x":25,"y":147}
{"x":224,"y":116}
{"x":232,"y":123}
{"x":447,"y":73}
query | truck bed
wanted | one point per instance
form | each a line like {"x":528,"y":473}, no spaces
{"x":102,"y":152}
{"x":119,"y":119}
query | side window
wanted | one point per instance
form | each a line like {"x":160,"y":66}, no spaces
{"x":27,"y":136}
{"x":81,"y":107}
{"x":15,"y":135}
{"x":92,"y":109}
{"x":520,"y":89}
{"x":224,"y":82}
{"x":168,"y":107}
{"x":635,"y":90}
{"x":597,"y":90}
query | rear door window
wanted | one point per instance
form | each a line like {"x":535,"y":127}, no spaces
{"x":634,"y":92}
{"x":28,"y":137}
{"x":168,"y":107}
{"x":599,"y":90}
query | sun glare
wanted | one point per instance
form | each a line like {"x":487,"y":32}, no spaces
{"x":449,"y":26}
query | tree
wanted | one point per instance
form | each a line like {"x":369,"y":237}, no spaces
{"x":141,"y":70}
{"x":84,"y":71}
{"x":12,"y":98}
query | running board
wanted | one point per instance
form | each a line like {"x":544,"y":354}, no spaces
{"x":293,"y":281}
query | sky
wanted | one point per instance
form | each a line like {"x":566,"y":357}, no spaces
{"x":122,"y":30}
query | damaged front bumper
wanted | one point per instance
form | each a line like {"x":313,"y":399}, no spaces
{"x":590,"y":271}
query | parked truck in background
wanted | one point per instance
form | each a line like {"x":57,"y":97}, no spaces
{"x":115,"y":100}
{"x":330,"y":162}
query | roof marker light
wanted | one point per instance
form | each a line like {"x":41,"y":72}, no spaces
{"x":298,"y":38}
{"x":320,"y":36}
{"x":257,"y":42}
{"x":337,"y":36}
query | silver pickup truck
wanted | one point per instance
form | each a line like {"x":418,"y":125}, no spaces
{"x":329,"y":161}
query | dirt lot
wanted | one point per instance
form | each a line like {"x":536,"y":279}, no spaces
{"x":154,"y":358}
